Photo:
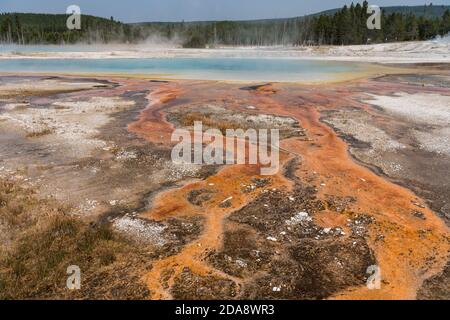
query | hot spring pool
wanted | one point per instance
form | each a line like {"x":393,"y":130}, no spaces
{"x":237,"y":69}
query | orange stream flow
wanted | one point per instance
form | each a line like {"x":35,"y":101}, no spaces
{"x":411,"y":250}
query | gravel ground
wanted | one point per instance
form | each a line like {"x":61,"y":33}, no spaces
{"x":420,"y":108}
{"x":141,"y":230}
{"x":431,"y":112}
{"x":69,"y":124}
{"x":13,"y":86}
{"x":375,"y":142}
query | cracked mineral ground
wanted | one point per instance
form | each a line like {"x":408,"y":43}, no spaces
{"x":86,"y":178}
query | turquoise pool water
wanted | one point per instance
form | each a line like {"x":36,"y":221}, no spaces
{"x":239,"y":69}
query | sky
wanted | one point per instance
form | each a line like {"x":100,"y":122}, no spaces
{"x":192,"y":10}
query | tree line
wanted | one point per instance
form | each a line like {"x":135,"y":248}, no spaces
{"x":348,"y":26}
{"x":30,"y":28}
{"x":336,"y":27}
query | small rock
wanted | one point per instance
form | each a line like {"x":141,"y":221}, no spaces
{"x":418,"y":204}
{"x":241,"y":263}
{"x":226,"y":203}
{"x":419,"y":214}
{"x":298,"y":218}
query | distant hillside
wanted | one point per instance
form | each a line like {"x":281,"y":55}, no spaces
{"x":426,"y":11}
{"x":31,"y":28}
{"x":338,"y":26}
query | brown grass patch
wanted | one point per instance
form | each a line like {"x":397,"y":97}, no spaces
{"x":45,"y":241}
{"x":188,"y":120}
{"x":41,"y":133}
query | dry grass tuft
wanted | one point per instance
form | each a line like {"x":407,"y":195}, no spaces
{"x":37,"y":134}
{"x":207,"y":120}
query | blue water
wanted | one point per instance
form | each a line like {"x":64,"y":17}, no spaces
{"x":240,"y":69}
